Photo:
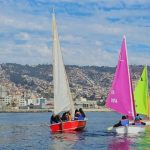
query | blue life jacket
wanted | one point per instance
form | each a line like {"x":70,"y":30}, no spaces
{"x":125,"y":122}
{"x":76,"y":116}
{"x":80,"y":117}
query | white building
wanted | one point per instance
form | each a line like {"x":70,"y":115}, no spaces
{"x":6,"y":100}
{"x":86,"y":104}
{"x":37,"y":102}
{"x":22,"y":102}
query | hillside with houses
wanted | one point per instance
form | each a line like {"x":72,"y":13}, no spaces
{"x":25,"y":86}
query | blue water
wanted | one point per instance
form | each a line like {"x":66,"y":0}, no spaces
{"x":30,"y":131}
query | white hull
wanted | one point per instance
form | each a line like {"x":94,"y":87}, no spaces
{"x":129,"y":129}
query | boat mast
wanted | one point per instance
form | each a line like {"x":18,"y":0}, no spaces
{"x":131,"y":92}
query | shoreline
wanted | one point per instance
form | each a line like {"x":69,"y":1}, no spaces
{"x":49,"y":110}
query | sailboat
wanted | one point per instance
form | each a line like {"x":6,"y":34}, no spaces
{"x":141,"y":96}
{"x":62,"y":96}
{"x":120,"y":97}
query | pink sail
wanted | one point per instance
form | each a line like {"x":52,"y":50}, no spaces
{"x":120,"y":97}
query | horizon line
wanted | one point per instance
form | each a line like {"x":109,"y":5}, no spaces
{"x":69,"y":65}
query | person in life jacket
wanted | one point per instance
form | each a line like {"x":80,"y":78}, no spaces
{"x":138,"y":120}
{"x":77,"y":114}
{"x":82,"y":116}
{"x":123,"y":122}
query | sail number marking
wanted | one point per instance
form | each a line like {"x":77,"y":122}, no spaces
{"x":114,"y":100}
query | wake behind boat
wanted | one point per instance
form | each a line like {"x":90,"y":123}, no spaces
{"x":62,"y":96}
{"x":120,"y":97}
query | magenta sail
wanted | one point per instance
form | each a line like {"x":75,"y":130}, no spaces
{"x":120,"y":97}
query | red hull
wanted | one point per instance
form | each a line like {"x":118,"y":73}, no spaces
{"x":68,"y":126}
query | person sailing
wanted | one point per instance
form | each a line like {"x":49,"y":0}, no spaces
{"x":138,"y":120}
{"x":79,"y":114}
{"x":55,"y":119}
{"x":82,"y":113}
{"x":64,"y":117}
{"x":123,"y":122}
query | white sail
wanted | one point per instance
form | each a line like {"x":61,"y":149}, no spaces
{"x":62,"y":95}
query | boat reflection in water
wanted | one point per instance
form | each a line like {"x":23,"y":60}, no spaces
{"x":123,"y":143}
{"x":66,"y":140}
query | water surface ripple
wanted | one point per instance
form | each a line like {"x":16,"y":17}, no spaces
{"x":30,"y":131}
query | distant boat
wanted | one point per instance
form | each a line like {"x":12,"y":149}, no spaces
{"x":62,"y":96}
{"x":120,"y":97}
{"x":141,"y":96}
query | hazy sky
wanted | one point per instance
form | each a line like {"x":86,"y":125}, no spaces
{"x":90,"y":31}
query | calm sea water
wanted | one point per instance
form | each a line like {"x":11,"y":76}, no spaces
{"x":30,"y":131}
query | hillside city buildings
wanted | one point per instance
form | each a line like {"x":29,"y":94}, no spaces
{"x":31,"y":87}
